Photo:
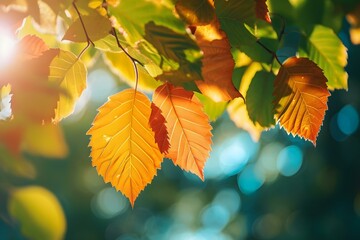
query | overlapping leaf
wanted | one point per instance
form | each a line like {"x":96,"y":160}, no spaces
{"x":195,"y":12}
{"x":123,"y":147}
{"x":237,"y":108}
{"x":157,"y":123}
{"x":218,"y":63}
{"x":68,"y":72}
{"x":327,"y":50}
{"x":259,"y":98}
{"x":301,"y":97}
{"x":97,"y":27}
{"x":132,"y":18}
{"x":262,"y":11}
{"x":188,"y":127}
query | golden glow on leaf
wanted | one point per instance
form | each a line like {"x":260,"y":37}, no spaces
{"x":218,"y":63}
{"x":301,"y":97}
{"x":123,"y":147}
{"x":188,"y":127}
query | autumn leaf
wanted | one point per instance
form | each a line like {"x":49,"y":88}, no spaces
{"x":68,"y":72}
{"x":218,"y":63}
{"x":195,"y":12}
{"x":123,"y":147}
{"x":213,"y":109}
{"x":188,"y":127}
{"x":5,"y":102}
{"x":157,"y":123}
{"x":97,"y":27}
{"x":262,"y":11}
{"x":301,"y":97}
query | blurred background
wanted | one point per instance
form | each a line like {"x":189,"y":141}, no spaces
{"x":278,"y":188}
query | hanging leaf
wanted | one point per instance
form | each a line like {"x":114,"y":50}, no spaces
{"x":45,"y":140}
{"x":301,"y":97}
{"x":97,"y":27}
{"x":188,"y":127}
{"x":195,"y":12}
{"x":327,"y":50}
{"x":237,"y":108}
{"x":259,"y":99}
{"x":133,"y":17}
{"x":218,"y":63}
{"x":68,"y":72}
{"x":123,"y":147}
{"x":121,"y":65}
{"x":213,"y":109}
{"x":157,"y":123}
{"x":262,"y":11}
{"x":180,"y":48}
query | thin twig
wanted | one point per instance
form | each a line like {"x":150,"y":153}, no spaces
{"x":133,"y":60}
{"x":83,"y":25}
{"x":269,"y":51}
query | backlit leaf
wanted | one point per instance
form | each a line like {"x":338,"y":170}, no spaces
{"x":38,"y":212}
{"x":327,"y":50}
{"x":45,"y":140}
{"x":217,"y":62}
{"x":188,"y":127}
{"x":67,"y":71}
{"x":123,"y":147}
{"x":262,"y":11}
{"x":97,"y":27}
{"x":132,"y":17}
{"x":301,"y":97}
{"x":237,"y":108}
{"x":195,"y":12}
{"x":259,"y":99}
{"x":5,"y":102}
{"x":157,"y":123}
{"x":213,"y":109}
{"x":121,"y":65}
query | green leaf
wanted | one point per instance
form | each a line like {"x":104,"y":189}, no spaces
{"x":133,"y":17}
{"x":213,"y":109}
{"x":70,"y":74}
{"x":39,"y":213}
{"x":195,"y":12}
{"x":179,"y":48}
{"x":239,"y":10}
{"x":97,"y":27}
{"x":327,"y":50}
{"x":259,"y":99}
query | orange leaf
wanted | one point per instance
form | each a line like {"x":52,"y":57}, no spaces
{"x":301,"y":97}
{"x":30,"y":47}
{"x":262,"y":11}
{"x":157,"y":123}
{"x":188,"y":127}
{"x":218,"y":63}
{"x":124,"y":150}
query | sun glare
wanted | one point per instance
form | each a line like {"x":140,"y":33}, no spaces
{"x":7,"y":44}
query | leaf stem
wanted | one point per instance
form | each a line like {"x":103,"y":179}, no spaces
{"x":269,"y":51}
{"x":83,"y":26}
{"x":133,"y":60}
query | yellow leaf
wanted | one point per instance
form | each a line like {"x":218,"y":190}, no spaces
{"x":39,"y":213}
{"x":188,"y":127}
{"x":45,"y":140}
{"x":301,"y":96}
{"x":123,"y":144}
{"x":122,"y":66}
{"x":69,"y":73}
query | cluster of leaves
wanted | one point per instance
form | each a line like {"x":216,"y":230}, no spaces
{"x":198,"y":59}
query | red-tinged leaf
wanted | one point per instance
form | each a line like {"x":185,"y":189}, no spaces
{"x":157,"y":123}
{"x":218,"y":64}
{"x":34,"y":97}
{"x":301,"y":97}
{"x":30,"y":47}
{"x":123,"y":147}
{"x":262,"y":11}
{"x":188,"y":127}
